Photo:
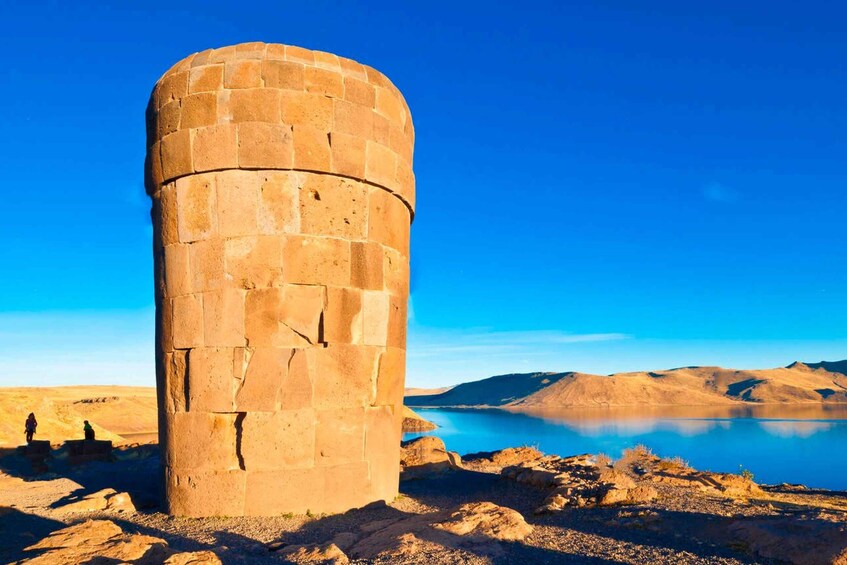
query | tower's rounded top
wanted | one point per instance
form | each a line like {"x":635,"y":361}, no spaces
{"x":266,"y":105}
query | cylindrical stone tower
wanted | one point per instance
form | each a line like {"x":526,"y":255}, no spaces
{"x":283,"y":193}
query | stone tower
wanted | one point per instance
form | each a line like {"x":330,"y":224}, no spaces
{"x":283,"y":192}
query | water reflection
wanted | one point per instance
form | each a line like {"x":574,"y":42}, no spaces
{"x":777,"y":443}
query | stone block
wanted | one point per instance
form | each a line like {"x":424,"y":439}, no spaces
{"x":254,"y":105}
{"x":253,"y":261}
{"x":187,"y":321}
{"x":348,"y":154}
{"x":327,"y":61}
{"x":333,"y":206}
{"x":167,"y":120}
{"x":211,"y":385}
{"x":404,"y":183}
{"x":396,"y":272}
{"x":391,"y":377}
{"x":324,"y":82}
{"x":262,"y":145}
{"x":380,"y":164}
{"x":345,"y":376}
{"x":176,"y":155}
{"x":382,"y":451}
{"x":352,"y":68}
{"x":299,"y":54}
{"x":202,"y":58}
{"x":316,"y":260}
{"x":154,"y":176}
{"x":171,"y":87}
{"x":250,"y":50}
{"x":306,"y":109}
{"x":214,"y":148}
{"x":358,"y":91}
{"x":279,"y":208}
{"x":199,"y":110}
{"x":207,"y":78}
{"x":298,"y":386}
{"x":397,"y":315}
{"x":346,"y":486}
{"x":311,"y":149}
{"x":244,"y":73}
{"x":353,"y":119}
{"x":342,"y":318}
{"x":282,"y":74}
{"x":201,"y":441}
{"x":388,"y":104}
{"x":278,"y":440}
{"x":366,"y":265}
{"x":205,"y":494}
{"x":264,"y":370}
{"x":382,"y":130}
{"x":388,"y":220}
{"x":283,"y":317}
{"x":207,"y":265}
{"x":176,"y":377}
{"x":375,"y":317}
{"x":288,"y":491}
{"x":222,"y":54}
{"x":195,"y":199}
{"x":275,"y":52}
{"x":177,"y":270}
{"x":237,"y":203}
{"x":165,"y":325}
{"x":339,"y":436}
{"x":223,"y":315}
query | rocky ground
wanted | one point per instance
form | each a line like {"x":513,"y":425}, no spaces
{"x":512,"y":506}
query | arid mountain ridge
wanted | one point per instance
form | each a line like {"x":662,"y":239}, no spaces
{"x":798,"y":383}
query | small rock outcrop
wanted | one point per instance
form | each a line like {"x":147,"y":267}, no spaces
{"x":426,"y":457}
{"x":477,"y":526}
{"x":103,"y":541}
{"x":326,"y":554}
{"x":106,"y":499}
{"x":579,"y":481}
{"x":412,"y":422}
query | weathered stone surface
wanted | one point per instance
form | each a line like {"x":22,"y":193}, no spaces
{"x":425,"y":457}
{"x":281,"y":180}
{"x":328,"y":554}
{"x":103,"y":500}
{"x":478,"y":526}
{"x":99,"y":541}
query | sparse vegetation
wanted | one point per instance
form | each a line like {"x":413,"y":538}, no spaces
{"x":673,"y":463}
{"x":745,"y":473}
{"x":602,"y":460}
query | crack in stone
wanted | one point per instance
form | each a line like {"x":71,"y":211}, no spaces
{"x":239,"y":431}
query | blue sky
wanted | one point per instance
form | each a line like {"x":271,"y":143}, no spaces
{"x":601,"y":186}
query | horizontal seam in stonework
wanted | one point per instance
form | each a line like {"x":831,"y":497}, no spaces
{"x":314,"y":171}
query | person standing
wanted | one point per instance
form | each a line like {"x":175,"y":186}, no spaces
{"x":30,"y":426}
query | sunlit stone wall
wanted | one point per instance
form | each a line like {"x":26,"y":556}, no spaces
{"x":282,"y":191}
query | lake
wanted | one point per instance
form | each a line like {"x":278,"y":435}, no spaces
{"x":777,"y":444}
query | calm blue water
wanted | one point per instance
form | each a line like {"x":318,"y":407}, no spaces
{"x":808,"y":447}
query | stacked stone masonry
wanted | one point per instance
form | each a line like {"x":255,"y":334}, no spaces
{"x":283,"y":194}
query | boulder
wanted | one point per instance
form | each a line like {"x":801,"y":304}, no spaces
{"x":425,"y":457}
{"x":106,"y":499}
{"x":506,"y":457}
{"x":193,"y":558}
{"x":103,"y":541}
{"x":328,"y":554}
{"x":96,"y":541}
{"x":477,"y":527}
{"x":485,"y":520}
{"x":412,"y":422}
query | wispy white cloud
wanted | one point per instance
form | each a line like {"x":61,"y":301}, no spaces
{"x":428,"y":344}
{"x":717,"y":192}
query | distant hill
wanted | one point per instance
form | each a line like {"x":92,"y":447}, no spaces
{"x":798,"y":383}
